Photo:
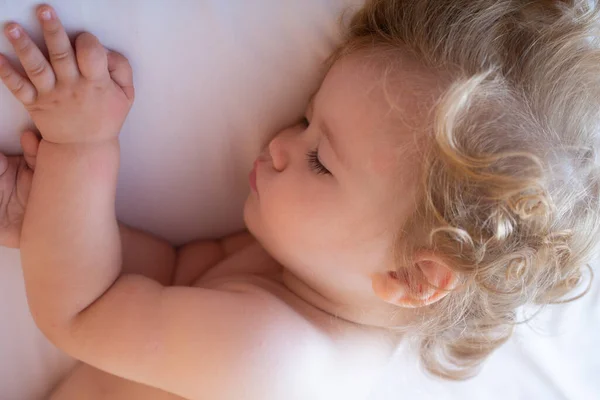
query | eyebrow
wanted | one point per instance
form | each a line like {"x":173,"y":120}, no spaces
{"x":327,"y":132}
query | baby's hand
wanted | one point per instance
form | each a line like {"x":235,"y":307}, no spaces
{"x":82,"y":95}
{"x":16,"y":174}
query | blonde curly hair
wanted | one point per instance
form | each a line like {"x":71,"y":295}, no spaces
{"x":511,"y":186}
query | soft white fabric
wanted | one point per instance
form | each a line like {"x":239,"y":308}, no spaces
{"x":215,"y":79}
{"x":555,"y":356}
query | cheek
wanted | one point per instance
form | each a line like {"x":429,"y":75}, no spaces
{"x":301,"y":210}
{"x":295,"y":199}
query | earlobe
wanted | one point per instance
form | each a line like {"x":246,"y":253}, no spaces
{"x":388,"y":287}
{"x":396,"y":287}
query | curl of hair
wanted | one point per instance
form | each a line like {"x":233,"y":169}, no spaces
{"x":511,"y":186}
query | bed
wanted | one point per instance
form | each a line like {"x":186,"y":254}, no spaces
{"x":215,"y":79}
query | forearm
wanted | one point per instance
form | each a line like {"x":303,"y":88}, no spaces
{"x":70,"y":245}
{"x":147,"y":255}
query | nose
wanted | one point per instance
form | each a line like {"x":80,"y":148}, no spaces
{"x":279,"y":150}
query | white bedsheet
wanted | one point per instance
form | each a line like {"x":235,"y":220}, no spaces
{"x":214,"y":79}
{"x":556,"y":356}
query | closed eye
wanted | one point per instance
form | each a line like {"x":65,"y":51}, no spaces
{"x":315,"y":164}
{"x":313,"y":156}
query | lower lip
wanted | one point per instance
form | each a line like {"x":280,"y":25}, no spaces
{"x":252,"y":177}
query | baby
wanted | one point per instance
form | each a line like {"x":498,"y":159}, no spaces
{"x":444,"y":176}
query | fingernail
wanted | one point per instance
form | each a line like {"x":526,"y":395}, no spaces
{"x":14,"y":32}
{"x":46,"y":15}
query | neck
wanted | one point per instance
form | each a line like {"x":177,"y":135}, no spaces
{"x":373,"y":313}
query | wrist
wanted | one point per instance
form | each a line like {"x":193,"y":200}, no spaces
{"x":100,"y":159}
{"x":105,"y":147}
{"x":94,"y":139}
{"x":82,"y":146}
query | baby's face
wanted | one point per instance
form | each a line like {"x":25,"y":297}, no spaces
{"x":334,"y":189}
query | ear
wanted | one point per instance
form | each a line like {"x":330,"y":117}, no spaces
{"x":430,"y":280}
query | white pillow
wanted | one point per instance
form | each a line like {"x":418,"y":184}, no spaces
{"x":214,"y":80}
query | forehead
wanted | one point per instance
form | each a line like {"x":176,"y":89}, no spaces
{"x":377,"y":107}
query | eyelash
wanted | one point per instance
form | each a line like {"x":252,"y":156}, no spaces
{"x":313,"y":160}
{"x":313,"y":157}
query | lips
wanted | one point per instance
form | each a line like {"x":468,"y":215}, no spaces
{"x":252,"y":177}
{"x":263,"y":157}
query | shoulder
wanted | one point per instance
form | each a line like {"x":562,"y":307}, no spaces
{"x":270,"y":351}
{"x":294,"y":357}
{"x":294,"y":352}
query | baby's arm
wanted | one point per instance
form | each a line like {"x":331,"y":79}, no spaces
{"x":70,"y":245}
{"x":147,"y":255}
{"x":222,"y":342}
{"x":72,"y":168}
{"x":155,"y":258}
{"x":142,"y":252}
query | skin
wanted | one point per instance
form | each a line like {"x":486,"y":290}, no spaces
{"x":340,"y":225}
{"x":299,"y":294}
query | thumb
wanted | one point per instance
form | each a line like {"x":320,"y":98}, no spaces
{"x":121,"y":73}
{"x":91,"y":57}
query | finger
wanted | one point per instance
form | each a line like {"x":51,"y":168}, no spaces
{"x":30,"y":144}
{"x":121,"y":72}
{"x":20,"y":87}
{"x":37,"y":68}
{"x":91,"y":57}
{"x":62,"y":56}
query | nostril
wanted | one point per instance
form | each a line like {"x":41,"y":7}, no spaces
{"x":263,"y":157}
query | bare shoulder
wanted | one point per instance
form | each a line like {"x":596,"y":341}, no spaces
{"x":282,"y":354}
{"x":300,"y":352}
{"x":238,"y":333}
{"x":258,"y":345}
{"x":242,"y":319}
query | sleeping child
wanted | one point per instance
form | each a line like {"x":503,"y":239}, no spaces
{"x":444,"y":175}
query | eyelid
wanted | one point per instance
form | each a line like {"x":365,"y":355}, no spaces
{"x":315,"y":163}
{"x":306,"y":119}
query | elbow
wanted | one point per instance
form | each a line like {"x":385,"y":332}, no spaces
{"x":55,"y":329}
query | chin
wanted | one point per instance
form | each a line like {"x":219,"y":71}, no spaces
{"x":255,"y":225}
{"x":252,"y":217}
